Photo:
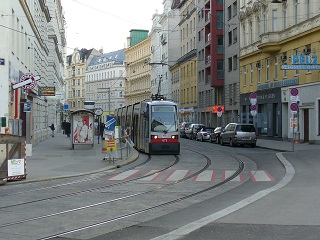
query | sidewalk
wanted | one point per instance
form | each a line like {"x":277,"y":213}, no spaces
{"x":54,"y":158}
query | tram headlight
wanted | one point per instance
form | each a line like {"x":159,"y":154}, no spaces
{"x":174,"y":136}
{"x":154,"y":137}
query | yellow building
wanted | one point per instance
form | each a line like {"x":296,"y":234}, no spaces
{"x":138,"y":70}
{"x":279,"y":51}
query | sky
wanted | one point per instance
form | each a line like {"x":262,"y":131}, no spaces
{"x":106,"y":23}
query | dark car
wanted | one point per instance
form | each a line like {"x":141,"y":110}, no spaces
{"x":215,"y":135}
{"x":184,"y":126}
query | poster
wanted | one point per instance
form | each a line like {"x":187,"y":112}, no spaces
{"x":15,"y":167}
{"x":82,"y":128}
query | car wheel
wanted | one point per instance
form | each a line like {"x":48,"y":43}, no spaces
{"x":221,"y":141}
{"x":217,"y":140}
{"x":201,"y":139}
{"x":231,"y":143}
{"x":253,"y":145}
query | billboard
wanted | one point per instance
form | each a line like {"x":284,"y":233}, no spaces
{"x":82,"y":128}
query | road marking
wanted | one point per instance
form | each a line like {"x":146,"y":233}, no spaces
{"x":181,"y":232}
{"x":124,"y":176}
{"x":154,"y":175}
{"x":206,"y":176}
{"x":261,"y":176}
{"x":177,"y":175}
{"x":228,"y":173}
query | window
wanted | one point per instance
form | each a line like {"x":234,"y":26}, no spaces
{"x":220,"y":49}
{"x":267,"y":70}
{"x":296,"y":4}
{"x":258,"y":28}
{"x":235,"y":62}
{"x":220,"y":73}
{"x":307,"y":9}
{"x":284,"y":18}
{"x":244,"y":76}
{"x":229,"y":64}
{"x":251,"y":73}
{"x":219,"y":19}
{"x":259,"y":71}
{"x":78,"y":81}
{"x":229,"y":38}
{"x":229,"y":13}
{"x":265,"y":19}
{"x":251,"y":32}
{"x":235,"y":35}
{"x":274,"y":20}
{"x":276,"y":64}
{"x":235,"y":8}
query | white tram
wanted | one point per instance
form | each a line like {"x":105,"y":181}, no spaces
{"x":152,"y":125}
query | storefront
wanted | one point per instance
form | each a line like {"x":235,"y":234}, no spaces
{"x":187,"y":114}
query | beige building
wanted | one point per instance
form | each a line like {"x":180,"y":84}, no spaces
{"x":279,"y":51}
{"x":138,"y":70}
{"x":75,"y":76}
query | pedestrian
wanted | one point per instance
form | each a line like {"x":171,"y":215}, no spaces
{"x":52,"y":129}
{"x":63,"y":125}
{"x":101,"y":130}
{"x":67,"y":129}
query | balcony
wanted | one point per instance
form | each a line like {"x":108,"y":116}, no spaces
{"x":270,"y":43}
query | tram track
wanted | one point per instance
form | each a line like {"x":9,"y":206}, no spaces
{"x":137,"y":212}
{"x":95,"y":188}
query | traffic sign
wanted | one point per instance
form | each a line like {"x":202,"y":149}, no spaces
{"x":219,"y":114}
{"x":27,"y":81}
{"x":98,"y":111}
{"x":253,"y":95}
{"x":294,"y":107}
{"x":219,"y":109}
{"x":253,"y":113}
{"x":294,"y":91}
{"x":253,"y":107}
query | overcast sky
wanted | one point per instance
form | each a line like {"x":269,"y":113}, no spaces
{"x":106,"y":23}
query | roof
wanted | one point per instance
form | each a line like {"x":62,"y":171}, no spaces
{"x":116,"y":57}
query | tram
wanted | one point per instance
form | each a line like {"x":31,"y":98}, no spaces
{"x":152,"y":124}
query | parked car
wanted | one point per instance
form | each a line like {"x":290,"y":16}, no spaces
{"x":184,"y":126}
{"x":193,"y":129}
{"x":204,"y":134}
{"x":215,"y":135}
{"x":239,"y":134}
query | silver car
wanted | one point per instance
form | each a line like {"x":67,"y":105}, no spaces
{"x":239,"y":134}
{"x":204,"y":134}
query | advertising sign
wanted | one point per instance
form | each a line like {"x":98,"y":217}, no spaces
{"x":27,"y":106}
{"x":46,"y":91}
{"x":82,"y":129}
{"x":15,"y":167}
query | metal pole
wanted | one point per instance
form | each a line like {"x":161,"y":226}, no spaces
{"x":98,"y":129}
{"x":109,"y":100}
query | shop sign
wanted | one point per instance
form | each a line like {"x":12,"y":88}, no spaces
{"x":46,"y":91}
{"x":302,"y":62}
{"x":278,"y":84}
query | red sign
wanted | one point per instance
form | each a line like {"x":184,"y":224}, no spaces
{"x":217,"y":109}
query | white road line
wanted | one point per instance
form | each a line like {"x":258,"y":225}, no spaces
{"x":229,"y":173}
{"x":151,"y":177}
{"x":260,"y":176}
{"x":185,"y":230}
{"x":206,"y":176}
{"x":124,"y":175}
{"x":176,"y":175}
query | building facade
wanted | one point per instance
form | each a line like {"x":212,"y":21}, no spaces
{"x":278,"y":52}
{"x":76,"y":64}
{"x":33,"y":43}
{"x":138,"y":69}
{"x":104,"y":84}
{"x":231,"y":62}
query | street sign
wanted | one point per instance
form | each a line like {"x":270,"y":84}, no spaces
{"x":110,"y":123}
{"x":253,"y":95}
{"x":253,"y":107}
{"x":294,"y":91}
{"x":253,"y":113}
{"x":219,"y":114}
{"x":98,"y":111}
{"x":27,"y":81}
{"x":294,"y":107}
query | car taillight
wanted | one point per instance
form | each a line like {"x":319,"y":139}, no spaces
{"x":235,"y":132}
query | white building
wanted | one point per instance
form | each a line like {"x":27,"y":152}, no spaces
{"x":104,"y":84}
{"x":27,"y":31}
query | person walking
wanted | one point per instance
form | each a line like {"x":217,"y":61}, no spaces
{"x":52,"y":129}
{"x":67,"y":129}
{"x":101,"y":130}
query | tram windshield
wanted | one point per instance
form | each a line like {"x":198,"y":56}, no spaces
{"x":164,"y":119}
